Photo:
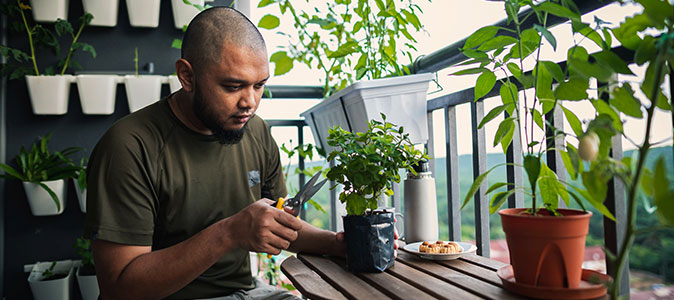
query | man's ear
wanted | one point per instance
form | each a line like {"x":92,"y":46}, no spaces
{"x":185,"y":74}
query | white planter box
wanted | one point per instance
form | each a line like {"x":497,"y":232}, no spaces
{"x":56,"y":289}
{"x":183,"y":13}
{"x":97,"y":93}
{"x":174,"y":83}
{"x":88,"y":285}
{"x":104,"y":12}
{"x":401,"y":99}
{"x":143,"y":13}
{"x":142,"y":90}
{"x":81,"y":196}
{"x":41,"y":204}
{"x":49,"y":10}
{"x":49,"y":94}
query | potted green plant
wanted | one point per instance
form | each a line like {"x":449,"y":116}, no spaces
{"x":532,"y":232}
{"x":51,"y":280}
{"x":48,"y":94}
{"x":104,"y":12}
{"x":367,"y":164}
{"x":141,"y":90}
{"x":86,"y":271}
{"x":43,"y":174}
{"x":353,"y":41}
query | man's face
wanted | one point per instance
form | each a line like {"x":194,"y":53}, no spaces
{"x":227,"y":93}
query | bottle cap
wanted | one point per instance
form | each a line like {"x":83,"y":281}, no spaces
{"x":422,"y":166}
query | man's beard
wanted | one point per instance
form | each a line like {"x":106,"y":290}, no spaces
{"x":206,"y":116}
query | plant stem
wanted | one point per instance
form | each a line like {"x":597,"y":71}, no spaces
{"x":70,"y":52}
{"x":30,"y":39}
{"x":135,"y":59}
{"x":634,"y":185}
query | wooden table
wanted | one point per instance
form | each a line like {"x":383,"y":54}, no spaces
{"x":469,"y":277}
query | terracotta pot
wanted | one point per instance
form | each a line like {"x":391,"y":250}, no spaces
{"x":545,"y":250}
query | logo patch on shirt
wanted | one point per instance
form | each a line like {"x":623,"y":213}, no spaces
{"x":253,"y":178}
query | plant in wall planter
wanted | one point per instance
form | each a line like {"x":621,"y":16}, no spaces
{"x":143,"y":13}
{"x":86,"y":272}
{"x":48,"y":94}
{"x":43,"y":174}
{"x":51,"y":280}
{"x":104,"y":12}
{"x":185,"y":10}
{"x":80,"y":183}
{"x":366,"y":165}
{"x":49,"y":10}
{"x":141,"y":90}
{"x":354,"y":40}
{"x":546,"y":243}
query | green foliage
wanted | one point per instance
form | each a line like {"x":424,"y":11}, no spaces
{"x":20,"y":63}
{"x":83,"y":247}
{"x":49,"y":272}
{"x":347,"y":41}
{"x":304,"y":151}
{"x":368,"y":162}
{"x":40,"y":165}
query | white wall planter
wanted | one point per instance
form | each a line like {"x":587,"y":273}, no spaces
{"x":143,"y":13}
{"x":104,"y":12}
{"x":142,"y":90}
{"x":183,"y":13}
{"x":49,"y":10}
{"x":81,"y":196}
{"x":49,"y":94}
{"x":88,"y":285}
{"x":402,"y":99}
{"x":41,"y":204}
{"x":97,"y":93}
{"x":174,"y":83}
{"x":55,"y":289}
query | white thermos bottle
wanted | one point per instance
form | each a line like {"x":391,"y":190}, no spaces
{"x":421,"y":211}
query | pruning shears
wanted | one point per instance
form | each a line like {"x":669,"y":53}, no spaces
{"x":296,"y":203}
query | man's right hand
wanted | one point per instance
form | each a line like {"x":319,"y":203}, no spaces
{"x":261,"y":227}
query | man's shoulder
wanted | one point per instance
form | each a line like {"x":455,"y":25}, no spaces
{"x":148,"y":124}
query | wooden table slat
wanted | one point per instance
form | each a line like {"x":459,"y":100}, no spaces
{"x":307,"y":281}
{"x":394,"y":287}
{"x":483,"y":261}
{"x":474,"y":270}
{"x":344,"y":281}
{"x":431,"y":285}
{"x":477,"y":286}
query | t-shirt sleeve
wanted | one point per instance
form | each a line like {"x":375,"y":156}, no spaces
{"x":120,"y":197}
{"x":274,"y":180}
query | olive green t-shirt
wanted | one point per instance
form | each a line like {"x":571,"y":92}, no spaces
{"x":154,"y":182}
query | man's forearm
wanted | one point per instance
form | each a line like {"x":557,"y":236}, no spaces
{"x":158,"y":274}
{"x":313,"y":240}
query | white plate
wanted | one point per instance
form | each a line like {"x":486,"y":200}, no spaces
{"x":414,"y":249}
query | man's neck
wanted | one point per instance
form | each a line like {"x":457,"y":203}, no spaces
{"x":181,"y":105}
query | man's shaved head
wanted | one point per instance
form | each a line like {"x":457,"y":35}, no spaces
{"x":214,"y":28}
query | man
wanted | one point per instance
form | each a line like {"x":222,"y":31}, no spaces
{"x":174,"y":188}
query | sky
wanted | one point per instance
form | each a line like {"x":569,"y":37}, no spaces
{"x":445,"y":22}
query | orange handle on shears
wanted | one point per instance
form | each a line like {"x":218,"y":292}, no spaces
{"x":279,"y":205}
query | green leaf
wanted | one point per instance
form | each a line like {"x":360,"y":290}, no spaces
{"x":657,"y":11}
{"x":177,"y":44}
{"x":283,"y":63}
{"x":663,"y":193}
{"x":529,"y":39}
{"x":554,"y":69}
{"x":547,"y":185}
{"x":509,"y":96}
{"x":532,"y":164}
{"x":597,"y":204}
{"x":590,"y":33}
{"x":52,"y":195}
{"x":502,"y":130}
{"x":626,"y":33}
{"x":484,"y":84}
{"x":470,"y":71}
{"x":476,"y":185}
{"x":559,"y":11}
{"x":491,"y":115}
{"x":647,"y":182}
{"x":603,"y":108}
{"x":264,"y":3}
{"x":574,"y":122}
{"x":480,"y":36}
{"x":611,"y":60}
{"x":496,"y":186}
{"x":476,"y":54}
{"x":543,"y":83}
{"x":596,"y":184}
{"x":571,"y":167}
{"x":269,"y":22}
{"x":622,"y":98}
{"x":496,"y":43}
{"x":645,"y":51}
{"x":515,"y":70}
{"x":538,"y":119}
{"x":345,"y":49}
{"x":508,"y":138}
{"x":590,"y":70}
{"x":575,"y":89}
{"x":547,"y":35}
{"x":498,"y":199}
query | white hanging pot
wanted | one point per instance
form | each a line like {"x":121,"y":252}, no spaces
{"x":41,"y":204}
{"x":143,"y":13}
{"x":88,"y":285}
{"x":142,"y":90}
{"x":49,"y":10}
{"x":53,"y":289}
{"x":104,"y":12}
{"x":184,"y":13}
{"x":97,"y":93}
{"x":49,"y":94}
{"x":174,"y":83}
{"x":81,"y":196}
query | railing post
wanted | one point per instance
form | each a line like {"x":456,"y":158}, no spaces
{"x":479,"y":167}
{"x":452,"y":159}
{"x":514,"y":173}
{"x":430,"y":144}
{"x":300,"y":140}
{"x":554,"y":160}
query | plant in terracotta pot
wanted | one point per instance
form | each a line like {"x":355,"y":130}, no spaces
{"x":546,"y":242}
{"x":367,"y":164}
{"x":43,"y":174}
